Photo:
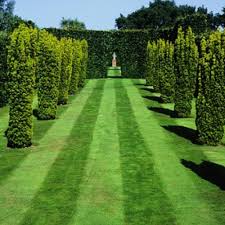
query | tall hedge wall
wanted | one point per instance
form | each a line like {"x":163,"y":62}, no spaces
{"x":130,"y":47}
{"x":3,"y":67}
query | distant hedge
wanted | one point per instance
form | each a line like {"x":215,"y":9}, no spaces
{"x":130,"y":47}
{"x":3,"y":67}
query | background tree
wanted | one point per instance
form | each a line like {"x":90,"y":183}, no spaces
{"x":21,"y":78}
{"x":166,"y":15}
{"x":68,"y":24}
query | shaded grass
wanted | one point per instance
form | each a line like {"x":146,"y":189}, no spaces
{"x":145,"y":202}
{"x":55,"y":203}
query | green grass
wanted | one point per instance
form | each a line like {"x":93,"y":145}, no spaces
{"x":113,"y":156}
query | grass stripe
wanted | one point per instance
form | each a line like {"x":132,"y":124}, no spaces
{"x":56,"y":200}
{"x":19,"y":189}
{"x":101,"y":199}
{"x":145,"y":202}
{"x":189,"y":207}
{"x":195,"y":155}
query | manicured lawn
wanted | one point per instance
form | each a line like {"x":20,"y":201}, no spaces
{"x":114,"y":156}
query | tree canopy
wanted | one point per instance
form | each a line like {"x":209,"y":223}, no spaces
{"x":165,"y":14}
{"x":75,"y":24}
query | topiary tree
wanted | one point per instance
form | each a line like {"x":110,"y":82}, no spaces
{"x":84,"y":62}
{"x":21,"y":79}
{"x":66,"y":70}
{"x":209,"y":107}
{"x":149,"y":66}
{"x":76,"y":68}
{"x":186,"y":55}
{"x":48,"y":69}
{"x":168,"y":75}
{"x":155,"y":66}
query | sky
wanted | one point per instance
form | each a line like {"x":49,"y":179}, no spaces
{"x":96,"y":14}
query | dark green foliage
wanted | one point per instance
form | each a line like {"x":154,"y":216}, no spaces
{"x":3,"y":68}
{"x":210,"y":101}
{"x":21,"y":77}
{"x":161,"y":15}
{"x":68,"y":24}
{"x":66,"y":70}
{"x":84,"y":63}
{"x":168,"y":76}
{"x":186,"y":57}
{"x":48,"y":69}
{"x":130,"y":47}
{"x":76,"y":70}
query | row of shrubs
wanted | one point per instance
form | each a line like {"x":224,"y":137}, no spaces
{"x":56,"y":68}
{"x":182,"y":70}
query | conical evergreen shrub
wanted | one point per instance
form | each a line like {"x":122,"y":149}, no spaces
{"x":76,"y":68}
{"x":210,"y":100}
{"x":21,"y":79}
{"x":48,"y":70}
{"x":66,"y":70}
{"x":167,"y":74}
{"x":186,"y":57}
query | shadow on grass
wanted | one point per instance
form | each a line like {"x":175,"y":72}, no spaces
{"x":151,"y":90}
{"x":153,"y":98}
{"x":208,"y":171}
{"x":116,"y":77}
{"x":184,"y":132}
{"x":56,"y":201}
{"x":164,"y":111}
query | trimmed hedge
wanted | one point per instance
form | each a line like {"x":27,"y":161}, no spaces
{"x":84,"y":63}
{"x":48,"y":70}
{"x":21,"y":79}
{"x":66,"y":70}
{"x":210,"y":100}
{"x":168,"y":76}
{"x":3,"y":68}
{"x":130,"y":47}
{"x":76,"y":68}
{"x":186,"y":57}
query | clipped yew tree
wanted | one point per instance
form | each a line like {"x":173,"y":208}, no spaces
{"x":155,"y":65}
{"x":66,"y":70}
{"x":21,"y":79}
{"x":186,"y":57}
{"x":167,"y":74}
{"x":149,"y":64}
{"x":48,"y":70}
{"x":210,"y":100}
{"x":84,"y":63}
{"x":76,"y":67}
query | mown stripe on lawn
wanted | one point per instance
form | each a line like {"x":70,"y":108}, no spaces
{"x":20,"y":188}
{"x":101,"y":199}
{"x":144,"y":199}
{"x":189,"y":207}
{"x":56,"y":201}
